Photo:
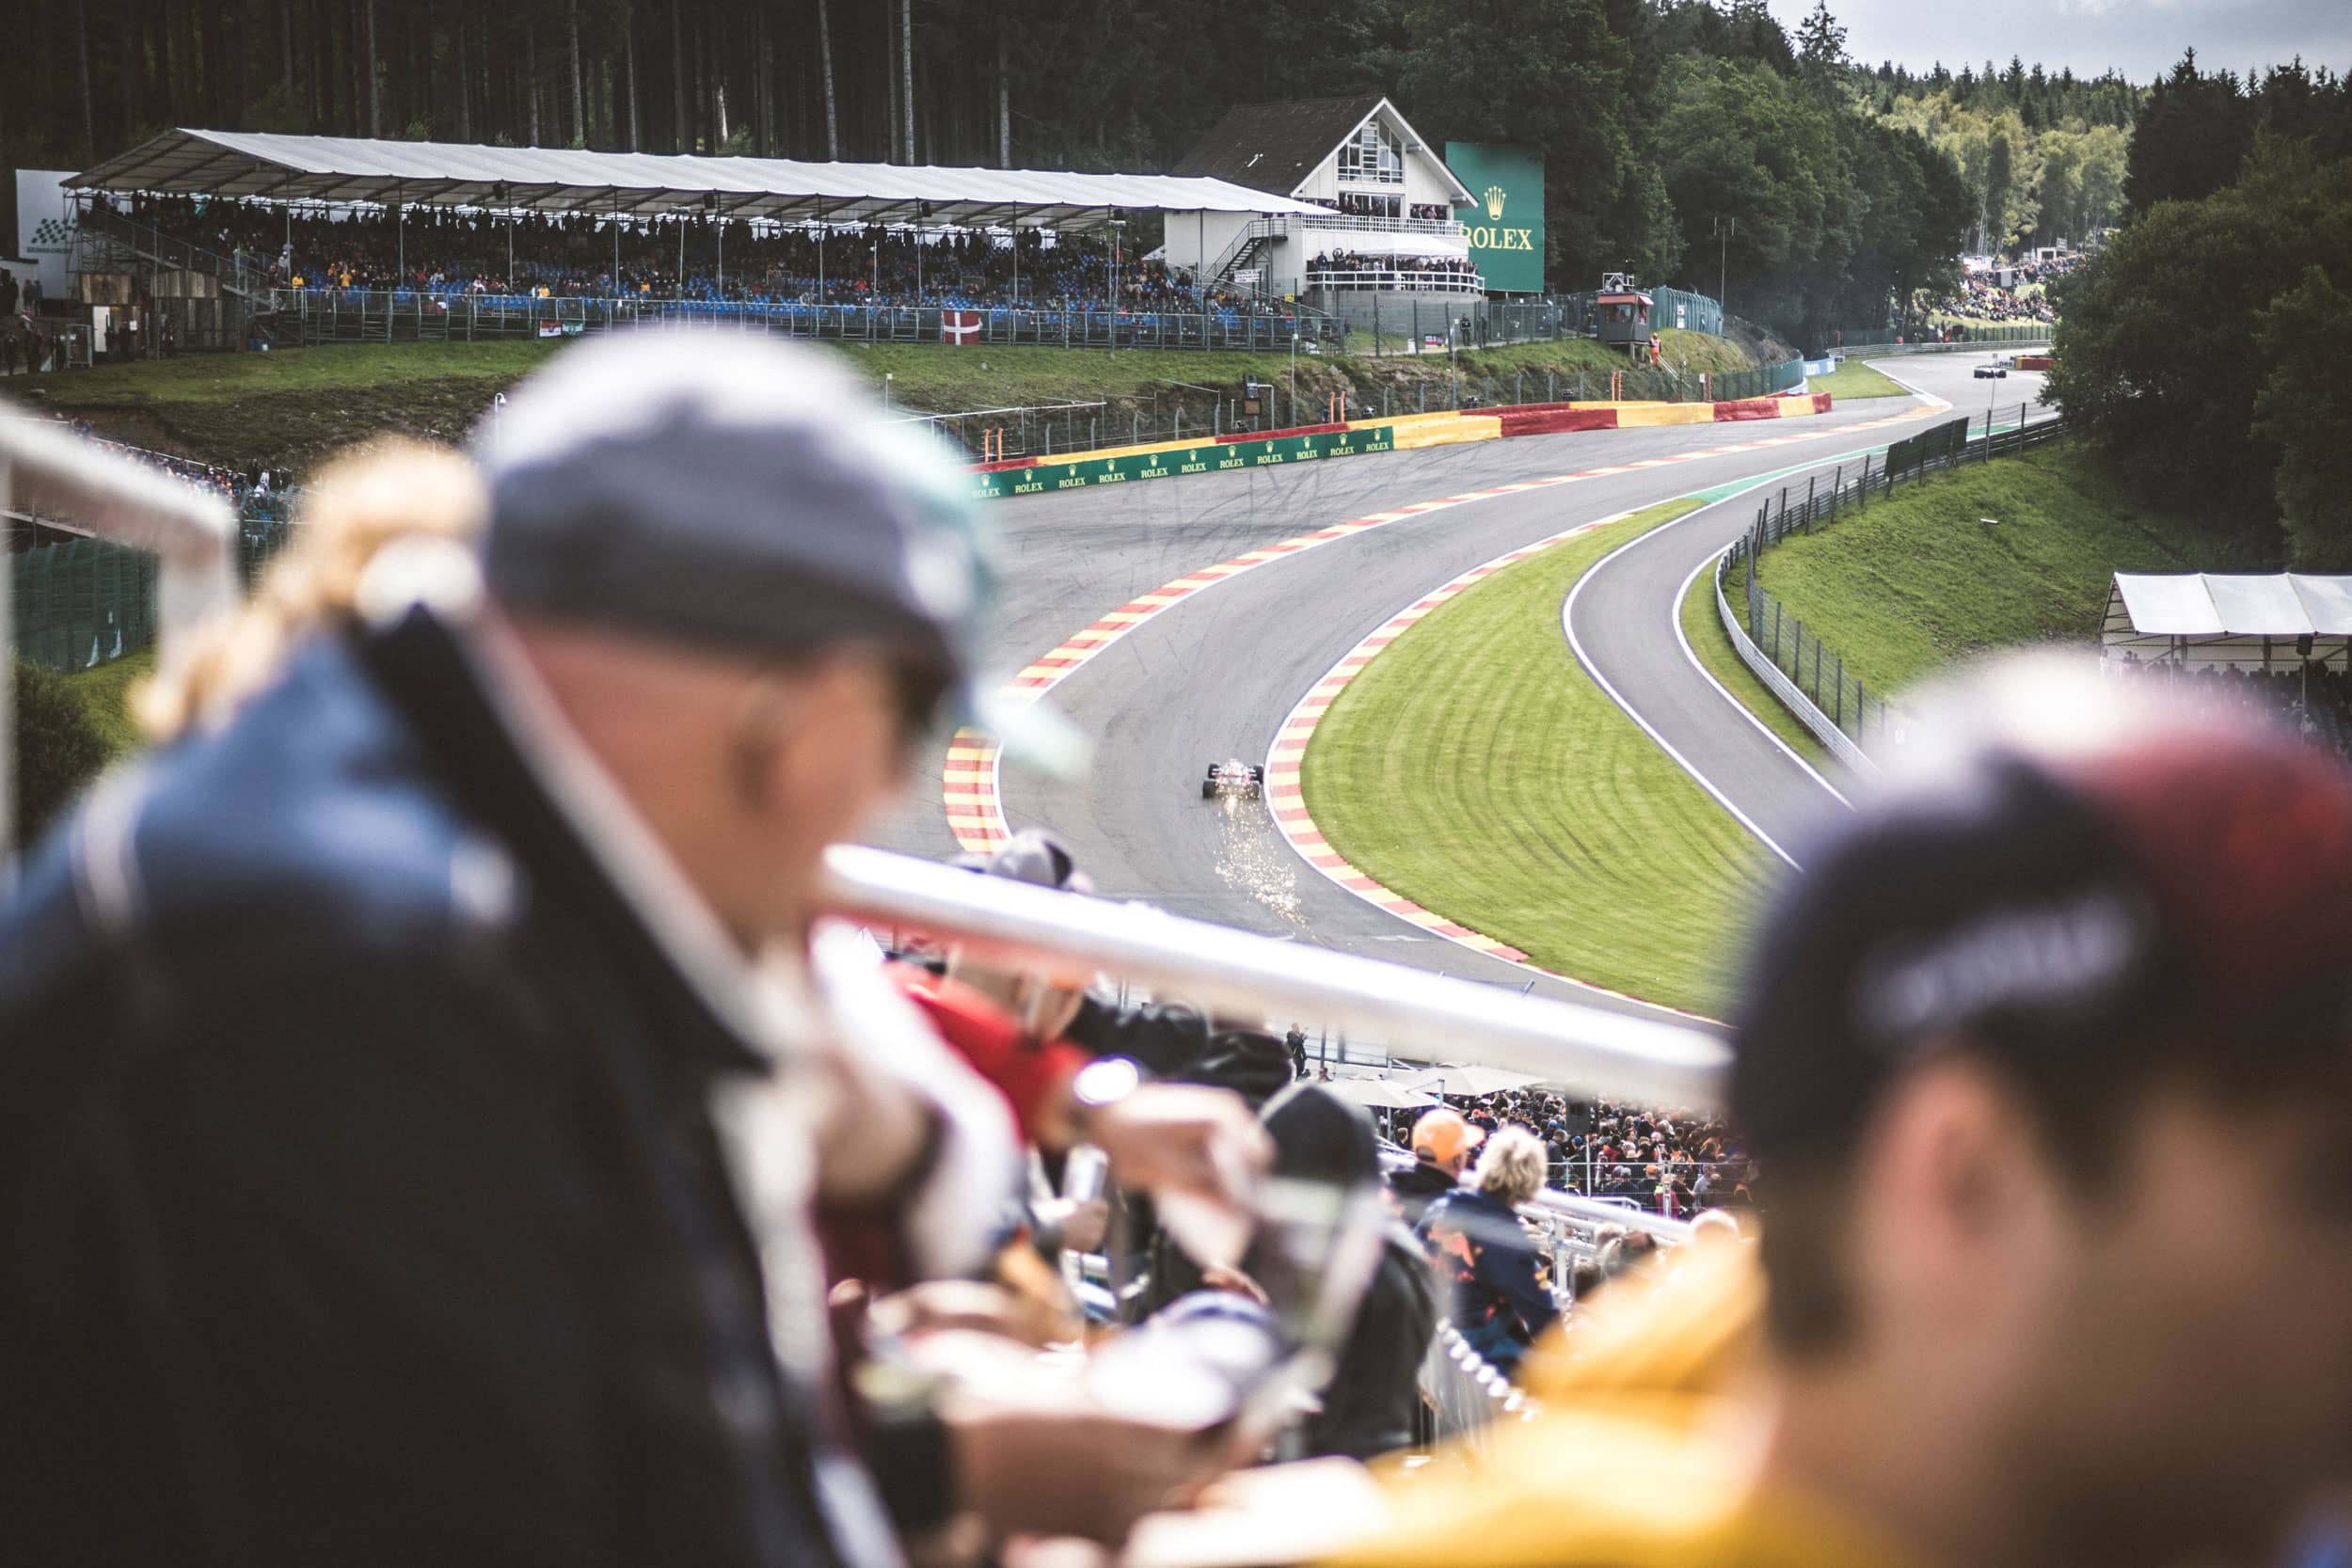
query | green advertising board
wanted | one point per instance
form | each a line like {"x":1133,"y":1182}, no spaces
{"x":1506,"y":225}
{"x":1210,"y":457}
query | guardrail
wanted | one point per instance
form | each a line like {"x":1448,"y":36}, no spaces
{"x":1809,"y":679}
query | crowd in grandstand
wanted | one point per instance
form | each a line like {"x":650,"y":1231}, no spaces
{"x":444,"y":253}
{"x":1387,"y":271}
{"x":2316,"y":702}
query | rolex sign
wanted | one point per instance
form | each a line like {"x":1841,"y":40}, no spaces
{"x":1506,"y":226}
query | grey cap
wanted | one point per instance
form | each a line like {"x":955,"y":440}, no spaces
{"x":733,"y":493}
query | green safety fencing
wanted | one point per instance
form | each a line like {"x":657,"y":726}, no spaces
{"x":82,"y":603}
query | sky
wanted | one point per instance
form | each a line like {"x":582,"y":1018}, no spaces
{"x":2140,"y":38}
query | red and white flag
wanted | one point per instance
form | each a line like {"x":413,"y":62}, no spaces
{"x":960,"y":326}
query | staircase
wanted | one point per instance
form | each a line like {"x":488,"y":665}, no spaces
{"x":105,"y":241}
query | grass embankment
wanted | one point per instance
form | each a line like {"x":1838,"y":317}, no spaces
{"x":1853,"y":380}
{"x":1910,"y":585}
{"x":295,"y":405}
{"x":105,"y":692}
{"x":1474,"y":768}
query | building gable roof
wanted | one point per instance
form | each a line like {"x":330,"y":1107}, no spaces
{"x":1275,"y":146}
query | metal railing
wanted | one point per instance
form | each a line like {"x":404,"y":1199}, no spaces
{"x":309,"y":317}
{"x":1807,"y":675}
{"x":1358,"y":279}
{"x":238,"y":272}
{"x":1467,"y":1396}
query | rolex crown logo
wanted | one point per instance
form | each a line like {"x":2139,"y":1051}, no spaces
{"x":1494,"y":203}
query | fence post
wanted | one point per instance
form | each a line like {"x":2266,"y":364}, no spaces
{"x":1775,"y":634}
{"x":1810,"y":481}
{"x":1817,"y":671}
{"x":1838,"y":717}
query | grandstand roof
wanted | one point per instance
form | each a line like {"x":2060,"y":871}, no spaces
{"x":2191,"y":604}
{"x":445,"y":174}
{"x":1274,"y":146}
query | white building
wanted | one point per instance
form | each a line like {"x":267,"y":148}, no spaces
{"x":1386,"y":232}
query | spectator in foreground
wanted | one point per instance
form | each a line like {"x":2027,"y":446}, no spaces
{"x":1444,"y":1142}
{"x":2027,"y":1044}
{"x":1368,"y":1408}
{"x":1500,"y":1290}
{"x":452,"y":1071}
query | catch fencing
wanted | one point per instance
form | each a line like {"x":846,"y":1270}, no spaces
{"x":309,"y":317}
{"x":1805,"y":674}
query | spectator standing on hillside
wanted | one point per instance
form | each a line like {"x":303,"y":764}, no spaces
{"x":453,"y":1073}
{"x":1500,"y":1294}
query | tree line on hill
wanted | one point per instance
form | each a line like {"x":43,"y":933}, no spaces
{"x":1694,"y":143}
{"x":2206,"y":347}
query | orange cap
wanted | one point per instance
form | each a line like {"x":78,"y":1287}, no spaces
{"x":1445,"y":1135}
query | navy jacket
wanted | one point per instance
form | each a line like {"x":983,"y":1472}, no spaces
{"x":360,"y":1198}
{"x":1499,"y":1298}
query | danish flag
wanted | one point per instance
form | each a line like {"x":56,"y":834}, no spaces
{"x":960,"y":326}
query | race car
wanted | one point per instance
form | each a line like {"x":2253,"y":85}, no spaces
{"x":1998,"y":370}
{"x":1243,"y":781}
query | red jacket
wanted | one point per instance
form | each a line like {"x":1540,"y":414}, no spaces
{"x":1028,"y":1074}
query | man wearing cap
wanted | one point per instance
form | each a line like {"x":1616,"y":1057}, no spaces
{"x":417,"y":1089}
{"x":2029,"y":1046}
{"x":1444,"y":1142}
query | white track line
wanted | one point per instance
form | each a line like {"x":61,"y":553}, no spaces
{"x":1567,"y":625}
{"x":1683,"y":597}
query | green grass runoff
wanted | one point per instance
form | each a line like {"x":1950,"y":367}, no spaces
{"x":1853,"y":380}
{"x":295,"y":407}
{"x":1908,"y":586}
{"x":1475,"y":768}
{"x":105,"y":691}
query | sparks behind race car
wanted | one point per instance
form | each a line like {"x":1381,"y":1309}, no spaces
{"x":1242,"y":780}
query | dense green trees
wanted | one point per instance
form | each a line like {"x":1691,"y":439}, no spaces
{"x":1664,"y":122}
{"x":2205,"y":347}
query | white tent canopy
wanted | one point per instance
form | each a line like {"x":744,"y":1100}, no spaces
{"x":2250,"y":622}
{"x":343,"y":169}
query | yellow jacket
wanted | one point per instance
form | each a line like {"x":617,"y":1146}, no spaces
{"x":1634,"y":1462}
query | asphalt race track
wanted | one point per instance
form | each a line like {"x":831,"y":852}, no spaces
{"x":1215,"y":676}
{"x":1622,"y":621}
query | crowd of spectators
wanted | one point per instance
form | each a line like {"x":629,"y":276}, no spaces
{"x":2317,"y":701}
{"x":1375,"y":269}
{"x":1675,"y":1164}
{"x":445,"y":253}
{"x":2014,"y":295}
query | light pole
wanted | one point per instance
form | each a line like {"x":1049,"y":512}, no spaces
{"x":1724,"y":228}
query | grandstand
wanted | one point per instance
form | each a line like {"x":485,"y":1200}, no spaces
{"x":306,"y":239}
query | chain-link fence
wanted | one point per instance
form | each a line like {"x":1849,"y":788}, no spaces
{"x":1840,"y":699}
{"x":82,"y":603}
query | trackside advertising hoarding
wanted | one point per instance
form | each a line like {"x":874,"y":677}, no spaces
{"x":1047,"y":474}
{"x":1506,"y":226}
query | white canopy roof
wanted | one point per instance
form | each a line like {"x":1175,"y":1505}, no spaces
{"x":2286,"y":604}
{"x":348,"y":168}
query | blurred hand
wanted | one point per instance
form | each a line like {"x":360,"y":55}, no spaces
{"x":942,"y":1306}
{"x":1044,"y":1459}
{"x":1081,"y":1225}
{"x":1183,"y":1139}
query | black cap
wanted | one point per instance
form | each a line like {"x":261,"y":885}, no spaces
{"x":732,"y":492}
{"x":1320,"y":1138}
{"x":2161,"y":883}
